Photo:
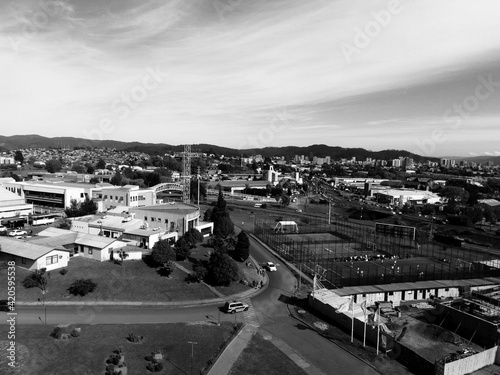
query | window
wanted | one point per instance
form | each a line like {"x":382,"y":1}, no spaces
{"x":447,"y":290}
{"x":159,"y":219}
{"x":145,"y":218}
{"x":391,"y":293}
{"x":166,"y":221}
{"x":90,"y":252}
{"x":51,"y":260}
{"x":152,"y":218}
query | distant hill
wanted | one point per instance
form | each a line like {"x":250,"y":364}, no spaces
{"x":320,"y":150}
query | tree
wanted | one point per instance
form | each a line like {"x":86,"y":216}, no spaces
{"x":454,"y":195}
{"x":65,"y":224}
{"x":285,"y":200}
{"x":18,"y":156}
{"x":87,"y":207}
{"x":168,"y":268}
{"x":223,"y":226}
{"x":162,"y":252}
{"x":242,"y":248}
{"x":194,"y":190}
{"x":192,"y":237}
{"x":222,"y":269}
{"x":222,"y":244}
{"x":36,"y":279}
{"x":101,"y":164}
{"x":208,"y":215}
{"x":82,"y":287}
{"x":53,"y":166}
{"x":182,"y":249}
{"x":116,"y":179}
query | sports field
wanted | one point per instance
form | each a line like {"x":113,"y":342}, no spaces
{"x":347,"y":254}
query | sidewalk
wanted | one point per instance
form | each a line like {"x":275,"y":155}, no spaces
{"x":226,"y":360}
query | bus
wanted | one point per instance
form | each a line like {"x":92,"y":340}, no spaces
{"x":44,"y":219}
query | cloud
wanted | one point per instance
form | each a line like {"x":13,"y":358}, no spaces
{"x":229,"y":69}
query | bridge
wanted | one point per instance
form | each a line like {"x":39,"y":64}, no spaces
{"x":167,"y":186}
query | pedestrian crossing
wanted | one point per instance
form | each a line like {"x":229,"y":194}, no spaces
{"x":249,"y":315}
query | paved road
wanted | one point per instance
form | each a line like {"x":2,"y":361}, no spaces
{"x":271,"y":310}
{"x":121,"y":314}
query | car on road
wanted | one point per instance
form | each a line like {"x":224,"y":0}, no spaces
{"x":234,"y":307}
{"x":17,"y":232}
{"x":270,"y":266}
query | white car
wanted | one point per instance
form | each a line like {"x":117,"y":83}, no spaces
{"x":270,"y":266}
{"x":17,"y":232}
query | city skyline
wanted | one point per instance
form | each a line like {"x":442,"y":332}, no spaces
{"x":419,"y":76}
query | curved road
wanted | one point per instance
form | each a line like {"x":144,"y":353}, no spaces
{"x":269,"y":306}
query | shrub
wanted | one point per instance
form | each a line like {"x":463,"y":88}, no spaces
{"x":134,"y":338}
{"x":76,"y":332}
{"x":154,"y":367}
{"x":82,"y":287}
{"x":36,"y":279}
{"x":63,"y":271}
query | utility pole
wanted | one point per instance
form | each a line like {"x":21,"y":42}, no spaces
{"x":198,"y":178}
{"x":192,"y":354}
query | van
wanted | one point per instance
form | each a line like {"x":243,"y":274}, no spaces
{"x":233,"y":307}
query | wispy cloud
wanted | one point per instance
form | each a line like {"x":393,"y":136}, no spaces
{"x":227,"y":74}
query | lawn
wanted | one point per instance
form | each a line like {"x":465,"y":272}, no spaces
{"x":263,"y":357}
{"x":134,"y":281}
{"x":39,"y":354}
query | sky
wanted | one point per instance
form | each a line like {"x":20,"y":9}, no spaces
{"x":422,"y":76}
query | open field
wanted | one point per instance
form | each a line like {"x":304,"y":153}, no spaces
{"x":39,"y":354}
{"x":134,"y":281}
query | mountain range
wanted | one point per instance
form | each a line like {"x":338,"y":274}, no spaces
{"x":15,"y":142}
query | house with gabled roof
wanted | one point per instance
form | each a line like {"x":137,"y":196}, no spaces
{"x":33,"y":256}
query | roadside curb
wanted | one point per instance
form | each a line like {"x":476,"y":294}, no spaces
{"x":251,"y":292}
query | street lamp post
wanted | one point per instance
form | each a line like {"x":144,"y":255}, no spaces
{"x":193,"y":343}
{"x":42,"y":301}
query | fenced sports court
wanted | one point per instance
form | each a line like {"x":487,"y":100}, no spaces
{"x":344,"y":253}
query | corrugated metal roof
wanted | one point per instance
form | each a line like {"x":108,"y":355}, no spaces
{"x":23,"y":249}
{"x":433,"y":284}
{"x":61,"y":240}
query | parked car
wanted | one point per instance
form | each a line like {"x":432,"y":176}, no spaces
{"x":3,"y":305}
{"x":270,"y":266}
{"x":17,"y":232}
{"x":3,"y":229}
{"x":234,"y":307}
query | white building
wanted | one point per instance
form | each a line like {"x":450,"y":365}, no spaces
{"x":32,"y":256}
{"x":13,"y":208}
{"x":128,"y":195}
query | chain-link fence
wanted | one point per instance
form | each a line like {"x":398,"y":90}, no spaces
{"x":345,"y":253}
